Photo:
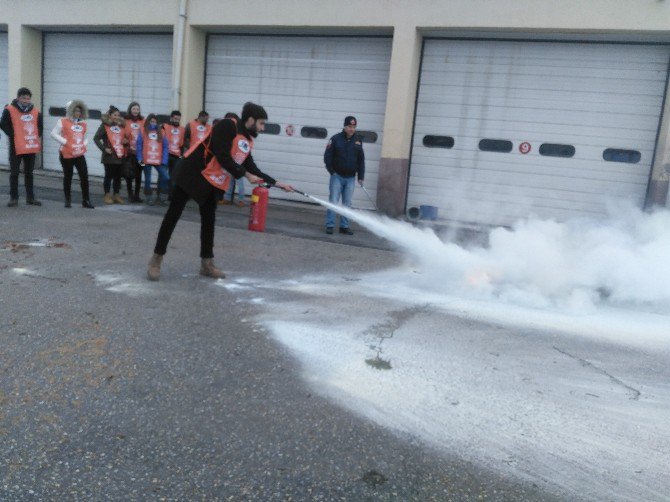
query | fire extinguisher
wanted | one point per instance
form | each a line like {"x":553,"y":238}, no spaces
{"x":259,"y":209}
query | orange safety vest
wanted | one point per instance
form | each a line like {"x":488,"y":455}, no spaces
{"x":134,"y":128}
{"x":216,"y":175}
{"x":26,"y":132}
{"x":152,"y":148}
{"x":74,"y":133}
{"x":115,"y":136}
{"x":175,"y":136}
{"x":198,"y":131}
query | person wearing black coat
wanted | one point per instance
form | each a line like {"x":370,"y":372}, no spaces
{"x":22,"y":105}
{"x":201,"y":175}
{"x":345,"y":160}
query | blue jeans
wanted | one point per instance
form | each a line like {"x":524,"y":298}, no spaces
{"x":340,"y":188}
{"x":240,"y":189}
{"x":163,"y":178}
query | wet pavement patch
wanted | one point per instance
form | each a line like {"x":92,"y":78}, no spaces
{"x":374,"y":478}
{"x":378,"y":363}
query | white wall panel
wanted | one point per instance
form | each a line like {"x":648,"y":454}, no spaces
{"x":4,"y":95}
{"x":302,"y":81}
{"x":590,"y":96}
{"x":103,"y":70}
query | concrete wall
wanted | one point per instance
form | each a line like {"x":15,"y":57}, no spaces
{"x":408,"y":22}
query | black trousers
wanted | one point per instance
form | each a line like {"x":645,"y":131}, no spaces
{"x":112,"y":175}
{"x":172,"y":161}
{"x":28,"y":160}
{"x":68,"y":169}
{"x":207,"y":218}
{"x":137,"y":172}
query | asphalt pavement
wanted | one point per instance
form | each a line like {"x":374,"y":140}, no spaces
{"x":116,"y":388}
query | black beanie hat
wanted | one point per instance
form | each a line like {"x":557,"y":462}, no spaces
{"x":350,"y":120}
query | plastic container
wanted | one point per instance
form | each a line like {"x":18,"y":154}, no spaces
{"x":428,"y":212}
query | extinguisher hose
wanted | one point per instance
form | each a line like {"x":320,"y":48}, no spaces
{"x":295,"y":190}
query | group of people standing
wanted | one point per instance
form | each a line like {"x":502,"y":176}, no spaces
{"x":134,"y":144}
{"x":131,"y":144}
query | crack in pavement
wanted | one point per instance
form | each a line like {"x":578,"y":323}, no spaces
{"x":388,"y":328}
{"x":635,"y":394}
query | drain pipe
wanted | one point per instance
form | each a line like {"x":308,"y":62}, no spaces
{"x":179,"y":55}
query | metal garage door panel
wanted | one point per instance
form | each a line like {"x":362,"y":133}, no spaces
{"x":104,"y":69}
{"x":4,"y":95}
{"x":302,"y":81}
{"x":591,"y":96}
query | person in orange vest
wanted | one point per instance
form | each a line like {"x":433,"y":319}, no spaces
{"x":196,"y":130}
{"x":227,"y":197}
{"x":111,"y":139}
{"x":203,"y":173}
{"x":23,"y":126}
{"x":70,"y":132}
{"x":175,"y":134}
{"x":152,"y":150}
{"x":134,"y":126}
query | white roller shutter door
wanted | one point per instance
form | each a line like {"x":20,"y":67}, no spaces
{"x":302,"y":82}
{"x":4,"y":95}
{"x":104,"y":69}
{"x":592,"y":97}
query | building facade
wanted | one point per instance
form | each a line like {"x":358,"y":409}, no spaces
{"x":489,"y":110}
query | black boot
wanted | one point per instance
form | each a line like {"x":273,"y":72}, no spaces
{"x":87,"y":204}
{"x":68,"y":203}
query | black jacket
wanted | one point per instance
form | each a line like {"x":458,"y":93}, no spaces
{"x":6,"y":121}
{"x":187,"y":172}
{"x":344,"y":156}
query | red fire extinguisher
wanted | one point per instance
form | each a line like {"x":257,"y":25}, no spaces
{"x":259,"y":209}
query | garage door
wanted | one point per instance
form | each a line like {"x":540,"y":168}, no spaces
{"x":4,"y":95}
{"x":556,"y":130}
{"x":307,"y":85}
{"x":103,"y":69}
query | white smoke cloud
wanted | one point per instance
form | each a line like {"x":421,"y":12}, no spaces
{"x":575,"y":265}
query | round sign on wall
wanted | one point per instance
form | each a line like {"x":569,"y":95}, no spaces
{"x":524,"y":147}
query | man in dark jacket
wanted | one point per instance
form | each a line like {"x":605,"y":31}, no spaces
{"x":203,"y":173}
{"x":344,"y":160}
{"x":23,"y":126}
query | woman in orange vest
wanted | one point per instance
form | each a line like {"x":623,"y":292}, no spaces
{"x":203,"y":173}
{"x":152,"y":150}
{"x":23,"y":126}
{"x":134,"y":126}
{"x":70,"y":132}
{"x":111,"y":139}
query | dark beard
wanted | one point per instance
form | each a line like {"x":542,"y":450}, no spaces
{"x":252,"y":131}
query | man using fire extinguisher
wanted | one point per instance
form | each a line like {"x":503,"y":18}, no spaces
{"x":205,"y":171}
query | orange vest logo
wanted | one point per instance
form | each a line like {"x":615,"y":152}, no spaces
{"x":26,"y":138}
{"x":152,"y":149}
{"x":74,"y":136}
{"x":115,"y":137}
{"x":175,"y":138}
